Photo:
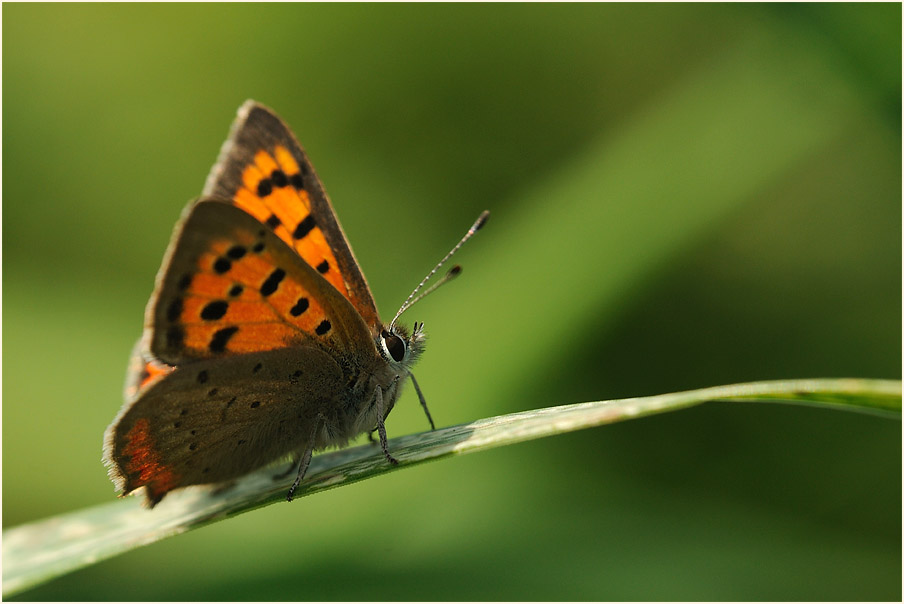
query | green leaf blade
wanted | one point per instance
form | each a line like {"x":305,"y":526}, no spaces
{"x":38,"y":552}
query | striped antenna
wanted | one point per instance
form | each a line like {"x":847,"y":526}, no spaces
{"x":453,"y":272}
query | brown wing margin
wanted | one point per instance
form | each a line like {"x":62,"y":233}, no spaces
{"x":258,"y":128}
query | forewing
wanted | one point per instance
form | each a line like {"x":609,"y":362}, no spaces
{"x":230,"y":286}
{"x":264,"y":171}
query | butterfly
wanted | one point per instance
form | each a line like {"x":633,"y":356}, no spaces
{"x":262,"y":339}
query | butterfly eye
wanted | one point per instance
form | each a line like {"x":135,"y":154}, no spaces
{"x":394,"y":345}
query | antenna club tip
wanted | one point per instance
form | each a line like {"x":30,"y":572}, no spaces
{"x":481,"y":220}
{"x":455,"y":271}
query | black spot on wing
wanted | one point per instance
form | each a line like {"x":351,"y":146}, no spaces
{"x":272,"y":282}
{"x":278,"y":178}
{"x":214,"y":310}
{"x":220,"y":339}
{"x":304,"y":227}
{"x":300,"y":307}
{"x":323,"y":328}
{"x":236,"y":252}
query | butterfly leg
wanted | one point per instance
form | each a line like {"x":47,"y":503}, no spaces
{"x":305,"y":460}
{"x":381,"y":428}
{"x":420,"y":396}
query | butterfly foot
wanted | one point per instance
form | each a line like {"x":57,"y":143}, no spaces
{"x":304,"y":460}
{"x":381,"y":429}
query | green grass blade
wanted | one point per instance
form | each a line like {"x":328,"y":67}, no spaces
{"x":38,"y":552}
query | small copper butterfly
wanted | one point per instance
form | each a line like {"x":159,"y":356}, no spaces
{"x":261,"y":339}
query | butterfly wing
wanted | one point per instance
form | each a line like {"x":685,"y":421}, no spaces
{"x":229,"y":285}
{"x":251,"y":347}
{"x":143,"y":370}
{"x":203,"y":424}
{"x":264,"y":171}
{"x":260,"y":323}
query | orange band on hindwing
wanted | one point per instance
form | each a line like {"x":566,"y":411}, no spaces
{"x":143,"y":465}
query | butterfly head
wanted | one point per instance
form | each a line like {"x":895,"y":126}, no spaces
{"x":401,"y":349}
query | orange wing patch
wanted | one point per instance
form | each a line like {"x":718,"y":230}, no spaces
{"x":241,"y":300}
{"x":142,"y":373}
{"x":143,"y":464}
{"x":152,"y":372}
{"x":273,"y":191}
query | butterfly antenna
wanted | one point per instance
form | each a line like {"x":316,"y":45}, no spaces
{"x":453,"y":272}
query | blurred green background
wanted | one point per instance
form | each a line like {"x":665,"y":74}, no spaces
{"x":682,"y":196}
